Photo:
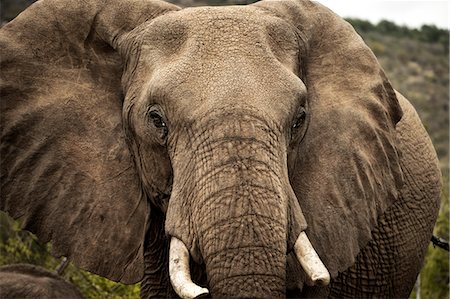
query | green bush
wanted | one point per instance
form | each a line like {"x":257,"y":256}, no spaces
{"x":17,"y":246}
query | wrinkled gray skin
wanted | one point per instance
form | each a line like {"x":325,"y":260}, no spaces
{"x":24,"y":281}
{"x":126,"y":122}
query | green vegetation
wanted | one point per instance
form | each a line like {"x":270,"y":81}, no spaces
{"x":417,"y":63}
{"x":435,"y":275}
{"x":427,"y":33}
{"x":17,"y":246}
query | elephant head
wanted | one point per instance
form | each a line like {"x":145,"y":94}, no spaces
{"x":238,"y":132}
{"x":25,"y":281}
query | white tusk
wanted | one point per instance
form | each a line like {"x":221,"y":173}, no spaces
{"x":314,"y":268}
{"x":179,"y":272}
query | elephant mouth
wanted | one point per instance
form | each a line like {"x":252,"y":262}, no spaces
{"x":180,"y":277}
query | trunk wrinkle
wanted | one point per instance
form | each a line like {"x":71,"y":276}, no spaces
{"x":255,"y":215}
{"x":218,"y":168}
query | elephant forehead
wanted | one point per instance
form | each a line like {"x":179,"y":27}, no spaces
{"x":217,"y":47}
{"x":225,"y":32}
{"x":220,"y":55}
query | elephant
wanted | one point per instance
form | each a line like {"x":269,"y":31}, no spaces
{"x":28,"y":281}
{"x":250,"y":151}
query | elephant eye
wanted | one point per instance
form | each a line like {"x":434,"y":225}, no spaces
{"x":300,"y":119}
{"x":157,"y":119}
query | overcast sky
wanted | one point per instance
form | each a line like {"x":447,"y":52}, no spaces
{"x":412,"y":13}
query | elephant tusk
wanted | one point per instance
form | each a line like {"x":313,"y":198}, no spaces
{"x":312,"y":265}
{"x":179,"y":272}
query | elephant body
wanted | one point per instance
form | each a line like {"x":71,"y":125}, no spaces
{"x":29,"y":281}
{"x":247,"y":151}
{"x":387,"y":267}
{"x":416,"y":207}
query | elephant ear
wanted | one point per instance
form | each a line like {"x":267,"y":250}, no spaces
{"x":66,"y":169}
{"x":346,"y":172}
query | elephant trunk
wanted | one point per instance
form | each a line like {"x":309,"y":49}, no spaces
{"x":245,"y":257}
{"x":181,"y":280}
{"x":241,"y":220}
{"x":231,"y":212}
